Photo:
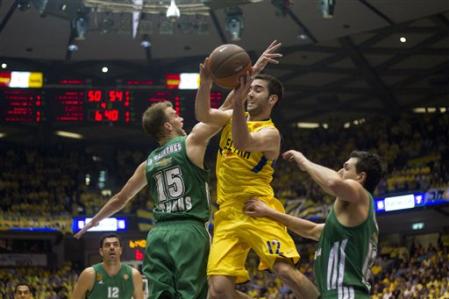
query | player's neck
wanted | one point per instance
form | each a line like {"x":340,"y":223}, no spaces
{"x":166,"y":139}
{"x":259,"y":117}
{"x":112,"y":267}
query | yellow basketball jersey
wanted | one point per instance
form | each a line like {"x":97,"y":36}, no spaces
{"x":241,"y":174}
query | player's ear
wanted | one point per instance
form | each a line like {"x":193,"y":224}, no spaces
{"x":168,"y":126}
{"x":101,"y":251}
{"x":361,"y":177}
{"x":273,"y":100}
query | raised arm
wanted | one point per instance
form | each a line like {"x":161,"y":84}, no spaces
{"x":118,"y":201}
{"x":197,"y":140}
{"x":328,"y":179}
{"x":203,"y":111}
{"x":304,"y":228}
{"x":84,"y":284}
{"x":268,"y":56}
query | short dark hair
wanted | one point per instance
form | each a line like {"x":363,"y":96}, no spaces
{"x":21,"y":284}
{"x":110,"y":235}
{"x":274,"y":85}
{"x":370,"y":164}
{"x":154,"y":117}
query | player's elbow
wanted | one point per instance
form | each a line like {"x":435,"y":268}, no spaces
{"x":334,"y":184}
{"x":204,"y":116}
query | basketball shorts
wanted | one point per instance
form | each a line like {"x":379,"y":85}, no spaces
{"x":175,"y":260}
{"x":236,"y":233}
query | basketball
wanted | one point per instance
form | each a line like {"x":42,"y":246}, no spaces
{"x":228,"y":63}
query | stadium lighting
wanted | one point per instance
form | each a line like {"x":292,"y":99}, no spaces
{"x":67,"y":134}
{"x":80,"y":26}
{"x":104,"y":69}
{"x":402,"y":39}
{"x":305,"y":125}
{"x":417,"y":225}
{"x":327,"y":8}
{"x":4,"y":65}
{"x":234,"y":22}
{"x":2,"y":135}
{"x":173,"y":12}
{"x":419,"y":110}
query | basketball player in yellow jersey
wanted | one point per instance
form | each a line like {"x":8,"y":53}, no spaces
{"x":248,"y":146}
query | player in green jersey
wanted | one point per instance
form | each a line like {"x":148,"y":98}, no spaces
{"x":348,"y":239}
{"x":178,"y":246}
{"x":109,"y":279}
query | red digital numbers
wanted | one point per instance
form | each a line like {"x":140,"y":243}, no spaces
{"x":108,"y":104}
{"x":106,"y":115}
{"x":94,"y":95}
{"x":115,"y":95}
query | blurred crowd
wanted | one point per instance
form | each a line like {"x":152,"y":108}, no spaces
{"x":45,"y":283}
{"x":415,"y":272}
{"x":67,"y":180}
{"x":400,"y":272}
{"x":414,"y":149}
{"x":48,"y":184}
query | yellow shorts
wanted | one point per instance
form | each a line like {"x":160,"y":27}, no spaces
{"x":236,"y":233}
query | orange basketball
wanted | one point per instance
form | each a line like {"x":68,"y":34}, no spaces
{"x":227,"y":64}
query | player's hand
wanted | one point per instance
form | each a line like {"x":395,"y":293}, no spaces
{"x":241,"y":91}
{"x":297,"y":157}
{"x":268,"y":56}
{"x":86,"y":227}
{"x":256,"y":208}
{"x":205,"y":74}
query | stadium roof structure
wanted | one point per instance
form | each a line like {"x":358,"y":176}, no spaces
{"x":372,"y":56}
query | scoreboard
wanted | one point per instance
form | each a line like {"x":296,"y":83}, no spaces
{"x":76,"y":105}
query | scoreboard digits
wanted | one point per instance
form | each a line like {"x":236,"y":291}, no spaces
{"x":96,"y":105}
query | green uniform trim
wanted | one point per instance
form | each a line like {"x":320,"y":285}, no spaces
{"x":345,"y":255}
{"x":119,"y":286}
{"x":178,"y":188}
{"x":177,"y":250}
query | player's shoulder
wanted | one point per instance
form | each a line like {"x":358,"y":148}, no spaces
{"x":89,"y":271}
{"x":135,"y":272}
{"x":87,"y":277}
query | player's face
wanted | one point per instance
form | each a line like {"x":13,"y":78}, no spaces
{"x":258,"y":95}
{"x":111,"y":249}
{"x":176,"y":121}
{"x":348,"y":170}
{"x":22,"y":292}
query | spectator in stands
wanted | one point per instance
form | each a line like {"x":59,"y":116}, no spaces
{"x":23,"y":291}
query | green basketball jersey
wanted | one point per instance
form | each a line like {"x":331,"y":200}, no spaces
{"x":344,"y":257}
{"x":178,"y":188}
{"x":107,"y":287}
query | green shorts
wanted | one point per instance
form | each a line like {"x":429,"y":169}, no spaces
{"x":175,"y":260}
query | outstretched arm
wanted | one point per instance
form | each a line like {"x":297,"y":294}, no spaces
{"x":203,"y":111}
{"x":197,"y":140}
{"x":304,"y":228}
{"x":119,"y":200}
{"x":328,"y":179}
{"x":268,"y":56}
